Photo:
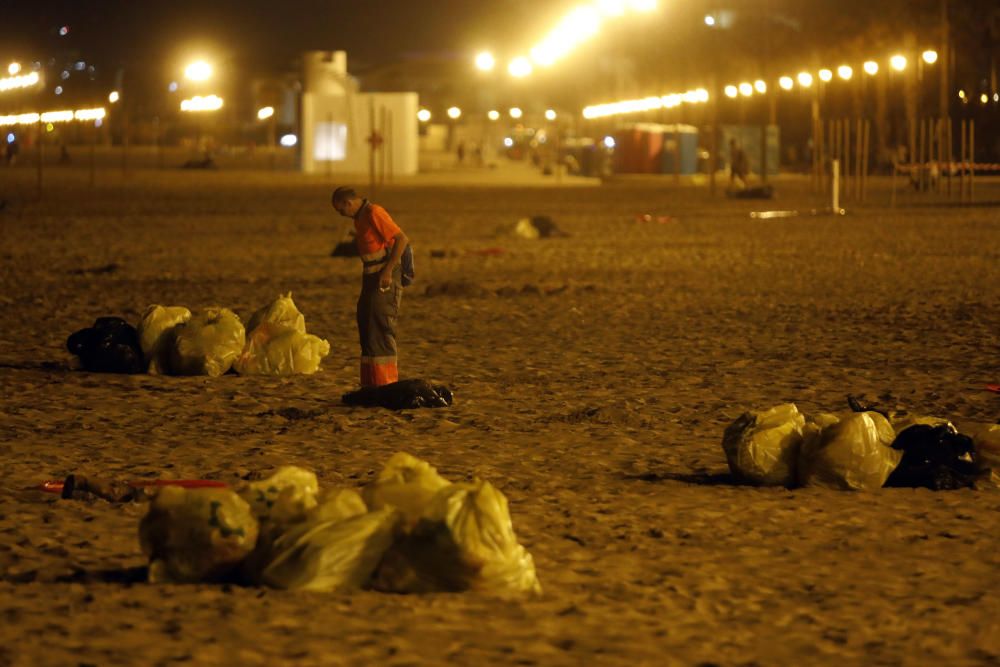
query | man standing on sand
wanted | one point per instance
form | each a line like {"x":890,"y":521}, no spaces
{"x":381,"y":244}
{"x":739,"y":165}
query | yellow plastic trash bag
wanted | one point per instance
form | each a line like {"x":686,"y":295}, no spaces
{"x":333,"y":555}
{"x":287,"y":496}
{"x":276,"y":349}
{"x":986,"y":438}
{"x":280,"y":311}
{"x":853,"y":452}
{"x":156,"y":330}
{"x":193,"y":535}
{"x":208,"y":343}
{"x":338,"y":505}
{"x":464,"y":541}
{"x":406,"y":483}
{"x":763,"y":447}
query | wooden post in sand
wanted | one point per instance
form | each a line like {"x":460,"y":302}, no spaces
{"x":865,"y":160}
{"x":93,"y":149}
{"x":972,"y":159}
{"x":40,"y":155}
{"x":371,"y":148}
{"x":848,"y":179}
{"x":381,"y":149}
{"x":961,"y":160}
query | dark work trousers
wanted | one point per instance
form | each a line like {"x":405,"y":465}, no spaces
{"x":377,"y":315}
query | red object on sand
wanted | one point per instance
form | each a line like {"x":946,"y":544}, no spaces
{"x":995,"y":388}
{"x":56,"y":486}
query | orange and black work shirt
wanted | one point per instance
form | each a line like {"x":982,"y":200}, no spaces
{"x":374,"y":234}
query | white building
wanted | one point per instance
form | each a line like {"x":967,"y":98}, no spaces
{"x":338,"y":122}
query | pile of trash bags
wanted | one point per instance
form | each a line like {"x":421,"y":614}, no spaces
{"x":171,"y":340}
{"x":859,"y":450}
{"x":408,"y":531}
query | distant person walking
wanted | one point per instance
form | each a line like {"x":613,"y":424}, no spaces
{"x":12,"y":150}
{"x":739,"y":165}
{"x":381,"y":244}
{"x":460,"y":152}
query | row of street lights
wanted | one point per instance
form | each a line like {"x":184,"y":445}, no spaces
{"x":804,"y":79}
{"x":454,"y":113}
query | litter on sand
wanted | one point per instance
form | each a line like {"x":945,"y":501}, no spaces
{"x":766,"y":215}
{"x":408,"y":531}
{"x":171,"y":340}
{"x":861,"y":450}
{"x":402,"y":395}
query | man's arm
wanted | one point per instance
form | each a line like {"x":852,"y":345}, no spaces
{"x":400,"y":241}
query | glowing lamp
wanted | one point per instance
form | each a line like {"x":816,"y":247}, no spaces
{"x":198,"y":71}
{"x":930,"y":56}
{"x":519,"y":67}
{"x":454,"y":113}
{"x":264,"y":113}
{"x":786,"y":82}
{"x":825,"y":75}
{"x":898,"y":62}
{"x":485,"y":61}
{"x":423,"y":115}
{"x":845,"y":72}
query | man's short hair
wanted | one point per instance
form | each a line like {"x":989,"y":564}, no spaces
{"x":342,"y":194}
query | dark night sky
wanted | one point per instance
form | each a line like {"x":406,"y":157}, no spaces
{"x":266,"y":33}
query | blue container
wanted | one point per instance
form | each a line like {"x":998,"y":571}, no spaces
{"x":680,"y":144}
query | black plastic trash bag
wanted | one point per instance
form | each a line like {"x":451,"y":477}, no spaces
{"x":402,"y":395}
{"x":110,"y":346}
{"x":935,"y":457}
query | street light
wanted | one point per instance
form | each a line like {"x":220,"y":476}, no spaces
{"x":493,"y":114}
{"x":786,"y":83}
{"x":550,"y":114}
{"x":113,"y":96}
{"x":845,"y":72}
{"x":515,"y":112}
{"x":930,"y":56}
{"x":709,"y":20}
{"x":871,"y":67}
{"x":746,"y":90}
{"x":519,"y":67}
{"x":805,"y":79}
{"x":898,"y":62}
{"x":264,"y":113}
{"x":760,"y":86}
{"x":199,"y":103}
{"x":485,"y":61}
{"x":423,"y":115}
{"x":825,"y":75}
{"x":199,"y":70}
{"x":454,"y":113}
{"x":731,"y":91}
{"x":13,"y":68}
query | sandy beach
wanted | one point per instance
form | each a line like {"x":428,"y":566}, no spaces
{"x":593,"y":377}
